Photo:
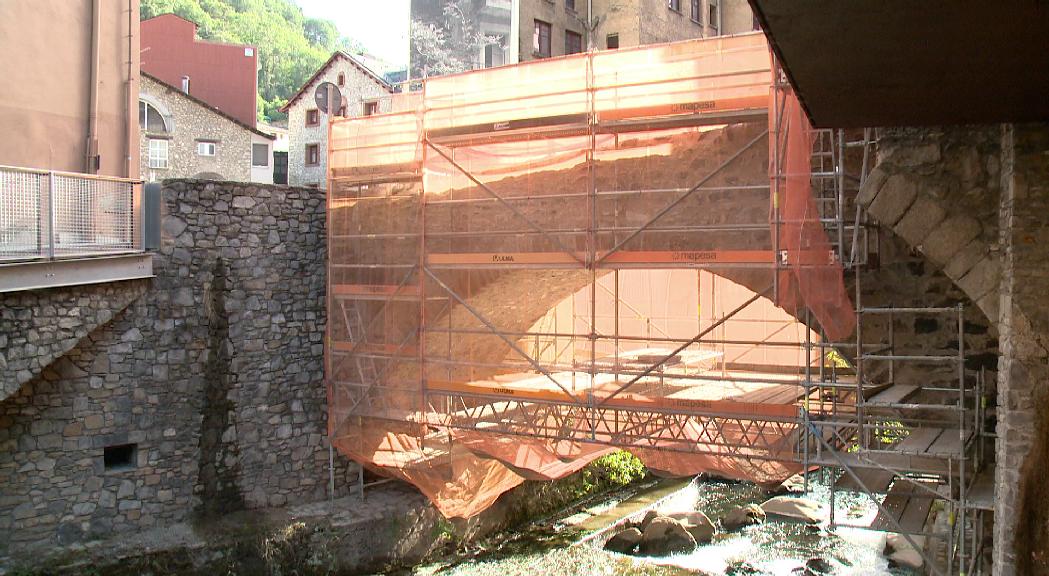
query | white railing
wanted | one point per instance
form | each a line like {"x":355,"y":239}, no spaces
{"x":48,"y":214}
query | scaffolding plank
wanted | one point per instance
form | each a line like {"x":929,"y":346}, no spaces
{"x":690,"y":258}
{"x":876,"y":480}
{"x":948,"y":444}
{"x":894,"y":394}
{"x":981,"y":494}
{"x":376,"y":291}
{"x":504,"y":258}
{"x":908,"y":505}
{"x":919,"y":440}
{"x":366,"y":348}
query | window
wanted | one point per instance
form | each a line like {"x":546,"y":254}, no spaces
{"x":573,"y":42}
{"x":158,"y":153}
{"x":260,"y":154}
{"x":313,"y":154}
{"x":371,"y":108}
{"x":342,"y":79}
{"x":313,"y":117}
{"x":696,"y":12}
{"x":674,"y":5}
{"x":120,"y":457}
{"x":612,"y":41}
{"x":206,"y":148}
{"x":713,"y":16}
{"x":541,"y":39}
{"x":570,"y":5}
{"x":495,"y":53}
{"x":150,"y":119}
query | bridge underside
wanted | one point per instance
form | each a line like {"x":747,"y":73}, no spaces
{"x":601,"y":260}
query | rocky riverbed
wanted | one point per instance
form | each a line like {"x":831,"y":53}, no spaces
{"x":708,"y":527}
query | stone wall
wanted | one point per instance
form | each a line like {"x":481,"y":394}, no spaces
{"x":1022,"y":503}
{"x":214,"y":375}
{"x":359,"y":88}
{"x":38,"y":327}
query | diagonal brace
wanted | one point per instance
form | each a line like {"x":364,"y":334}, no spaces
{"x":501,"y":336}
{"x":681,"y":198}
{"x":546,"y":233}
{"x":694,"y":340}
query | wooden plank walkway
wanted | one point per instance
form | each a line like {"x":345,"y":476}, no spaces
{"x":875,"y":480}
{"x":908,"y":504}
{"x":895,"y":394}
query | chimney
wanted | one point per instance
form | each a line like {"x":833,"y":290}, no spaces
{"x":185,"y":84}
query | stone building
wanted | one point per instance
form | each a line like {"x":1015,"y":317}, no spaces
{"x":530,"y":29}
{"x":184,"y":137}
{"x":363,"y":93}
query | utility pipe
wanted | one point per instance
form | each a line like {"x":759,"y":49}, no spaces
{"x":129,"y":94}
{"x":91,"y":144}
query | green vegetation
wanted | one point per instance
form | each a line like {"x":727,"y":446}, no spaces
{"x":291,"y":46}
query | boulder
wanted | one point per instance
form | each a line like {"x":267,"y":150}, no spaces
{"x":741,"y":516}
{"x":624,"y":542}
{"x":793,"y":485}
{"x":665,"y":536}
{"x":697,"y":524}
{"x":649,"y":517}
{"x":901,"y":553}
{"x":801,"y":509}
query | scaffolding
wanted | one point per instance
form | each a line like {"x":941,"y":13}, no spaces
{"x":459,"y":220}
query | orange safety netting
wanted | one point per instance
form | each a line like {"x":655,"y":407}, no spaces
{"x":496,"y":307}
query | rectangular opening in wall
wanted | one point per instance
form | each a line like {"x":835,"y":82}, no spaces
{"x":120,"y":456}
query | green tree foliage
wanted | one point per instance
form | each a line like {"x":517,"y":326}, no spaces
{"x":290,"y":46}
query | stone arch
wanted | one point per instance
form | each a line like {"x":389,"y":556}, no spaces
{"x":209,"y":176}
{"x":937,"y":190}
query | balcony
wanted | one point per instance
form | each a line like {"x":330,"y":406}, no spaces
{"x":67,"y":229}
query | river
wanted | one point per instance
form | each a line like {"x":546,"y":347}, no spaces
{"x":559,"y":547}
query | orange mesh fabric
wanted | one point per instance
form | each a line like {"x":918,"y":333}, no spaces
{"x":483,"y":324}
{"x":813,"y":279}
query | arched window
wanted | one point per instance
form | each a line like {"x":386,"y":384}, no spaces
{"x":342,"y":79}
{"x":150,"y":119}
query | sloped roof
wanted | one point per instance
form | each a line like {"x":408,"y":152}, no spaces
{"x":338,"y":54}
{"x":209,"y":107}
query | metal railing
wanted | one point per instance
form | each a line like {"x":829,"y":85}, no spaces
{"x":50,"y":214}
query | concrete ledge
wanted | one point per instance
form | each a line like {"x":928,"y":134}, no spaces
{"x":75,"y":272}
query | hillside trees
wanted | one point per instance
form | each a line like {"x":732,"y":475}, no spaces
{"x":291,"y":46}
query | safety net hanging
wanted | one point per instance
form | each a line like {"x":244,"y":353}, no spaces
{"x":531,"y":266}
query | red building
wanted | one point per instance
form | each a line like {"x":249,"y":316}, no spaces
{"x":223,"y":75}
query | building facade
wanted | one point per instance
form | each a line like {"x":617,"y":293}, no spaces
{"x":362,"y":93}
{"x":69,"y":79}
{"x":522,"y":30}
{"x":183,"y":137}
{"x":223,"y":75}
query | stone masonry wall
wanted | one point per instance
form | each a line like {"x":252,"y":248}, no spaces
{"x":38,"y":327}
{"x":1022,"y":499}
{"x":215,"y":374}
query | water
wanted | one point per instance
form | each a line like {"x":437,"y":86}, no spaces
{"x":771,"y":549}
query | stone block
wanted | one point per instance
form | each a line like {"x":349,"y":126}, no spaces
{"x":893,"y":200}
{"x":949,"y":237}
{"x":981,"y":279}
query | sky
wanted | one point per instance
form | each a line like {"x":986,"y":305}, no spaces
{"x":382,"y":27}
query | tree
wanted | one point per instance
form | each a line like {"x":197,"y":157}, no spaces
{"x":450,"y":43}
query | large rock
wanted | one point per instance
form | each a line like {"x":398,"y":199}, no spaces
{"x":742,"y":516}
{"x":697,"y":524}
{"x":793,"y":485}
{"x":665,"y":536}
{"x":624,"y":542}
{"x":649,"y":517}
{"x":801,"y":509}
{"x":902,"y":553}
